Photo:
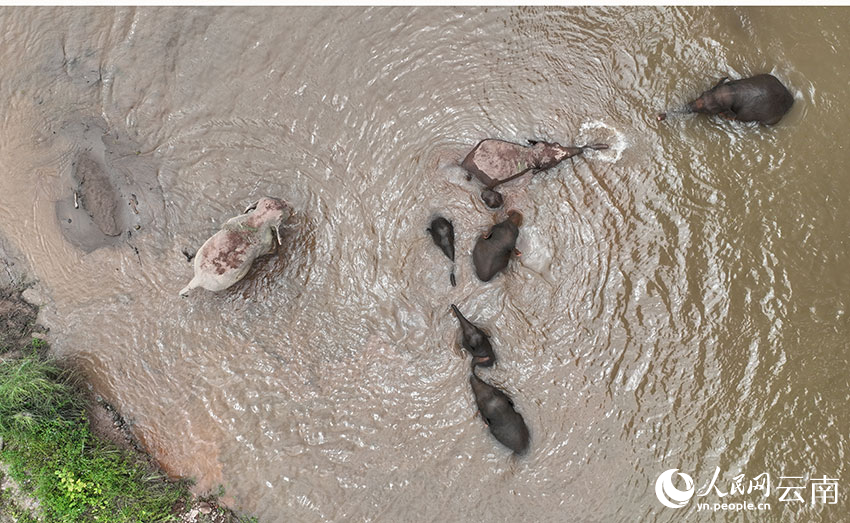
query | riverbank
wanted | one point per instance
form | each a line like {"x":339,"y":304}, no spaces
{"x":67,"y":455}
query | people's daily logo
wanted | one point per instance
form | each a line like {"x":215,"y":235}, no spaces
{"x":668,"y":494}
{"x":741,"y":494}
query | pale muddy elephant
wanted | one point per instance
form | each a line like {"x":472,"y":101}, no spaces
{"x":226,"y":257}
{"x":495,"y":162}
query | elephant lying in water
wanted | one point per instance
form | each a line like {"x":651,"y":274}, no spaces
{"x":495,"y":162}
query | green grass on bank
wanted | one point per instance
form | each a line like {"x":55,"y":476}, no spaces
{"x":52,"y":453}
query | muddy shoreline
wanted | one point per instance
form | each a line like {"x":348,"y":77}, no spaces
{"x":18,"y":330}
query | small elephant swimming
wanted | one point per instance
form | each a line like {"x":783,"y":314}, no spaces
{"x":495,"y":162}
{"x":226,"y":257}
{"x":493,"y":251}
{"x":475,"y":341}
{"x":443,"y":233}
{"x":497,"y":409}
{"x":761,"y":98}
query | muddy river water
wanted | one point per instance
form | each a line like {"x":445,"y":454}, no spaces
{"x":680,"y":302}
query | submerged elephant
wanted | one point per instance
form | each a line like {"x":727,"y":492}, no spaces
{"x":443,"y":233}
{"x":226,"y":257}
{"x":475,"y":341}
{"x":761,"y":98}
{"x":497,"y":409}
{"x":493,"y":251}
{"x":495,"y":162}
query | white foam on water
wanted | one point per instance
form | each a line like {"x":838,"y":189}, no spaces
{"x":615,"y":146}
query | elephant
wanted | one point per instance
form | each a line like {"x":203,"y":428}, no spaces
{"x":761,"y":98}
{"x":495,"y":162}
{"x":226,"y":257}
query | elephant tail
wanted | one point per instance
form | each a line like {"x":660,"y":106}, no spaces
{"x":185,"y":290}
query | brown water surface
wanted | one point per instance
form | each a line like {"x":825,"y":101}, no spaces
{"x":680,"y":301}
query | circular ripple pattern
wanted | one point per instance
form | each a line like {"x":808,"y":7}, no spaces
{"x":679,"y":302}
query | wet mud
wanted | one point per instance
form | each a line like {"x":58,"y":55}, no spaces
{"x":111,"y":191}
{"x":17,"y":319}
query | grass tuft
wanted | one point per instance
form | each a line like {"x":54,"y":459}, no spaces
{"x":52,"y":453}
